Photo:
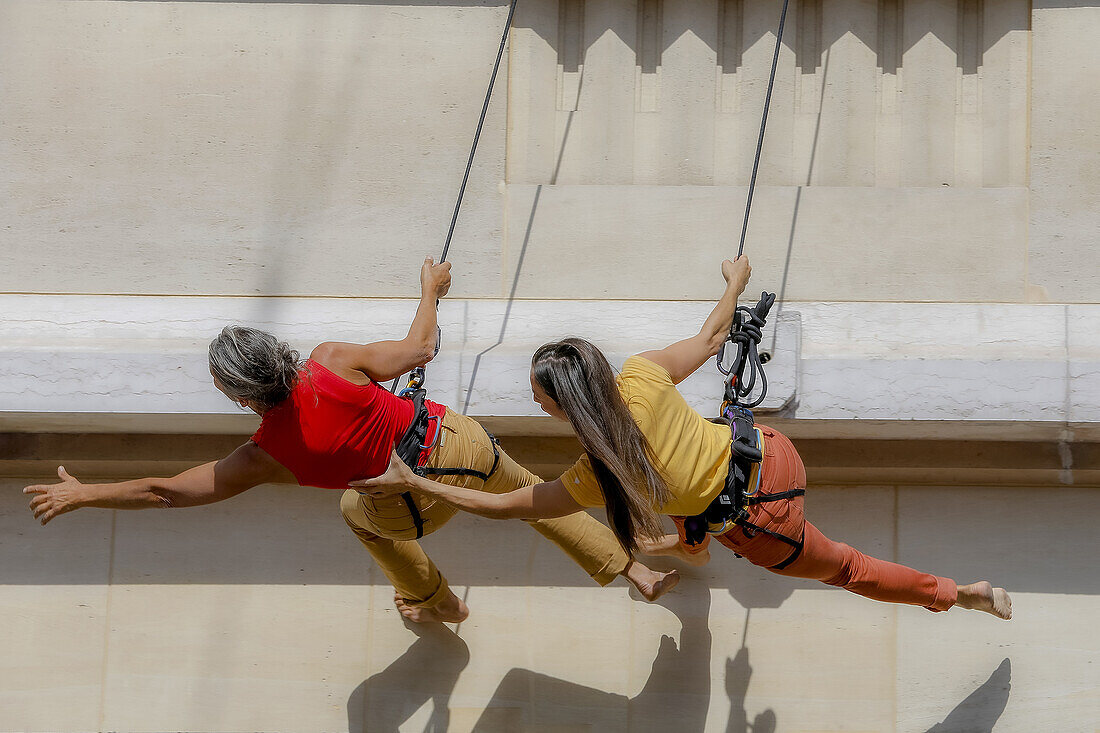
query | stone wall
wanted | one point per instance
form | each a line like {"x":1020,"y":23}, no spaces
{"x":919,"y":154}
{"x":926,"y":150}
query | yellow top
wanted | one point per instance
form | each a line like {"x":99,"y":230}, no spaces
{"x":692,"y":453}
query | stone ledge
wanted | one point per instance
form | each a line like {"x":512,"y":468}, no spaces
{"x":113,"y":361}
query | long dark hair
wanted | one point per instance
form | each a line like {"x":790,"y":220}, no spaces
{"x":575,"y":374}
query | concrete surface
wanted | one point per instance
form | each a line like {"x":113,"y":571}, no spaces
{"x":926,"y":150}
{"x":264,"y":613}
{"x":900,"y":362}
{"x":927,"y":211}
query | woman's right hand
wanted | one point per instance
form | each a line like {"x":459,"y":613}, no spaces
{"x":435,"y":279}
{"x":397,"y":479}
{"x":737,"y":271}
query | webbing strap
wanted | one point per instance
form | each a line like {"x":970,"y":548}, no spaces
{"x":794,"y":555}
{"x":410,"y":446}
{"x":431,"y":471}
{"x":750,"y":527}
{"x":414,"y":512}
{"x":428,"y":471}
{"x":764,"y":498}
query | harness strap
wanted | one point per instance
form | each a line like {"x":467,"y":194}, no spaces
{"x":432,"y":471}
{"x":428,"y":471}
{"x":414,"y":512}
{"x":751,"y":530}
{"x":410,"y":446}
{"x":794,"y":555}
{"x":731,"y":506}
{"x":764,"y":498}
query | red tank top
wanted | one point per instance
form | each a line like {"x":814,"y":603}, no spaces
{"x":330,"y":431}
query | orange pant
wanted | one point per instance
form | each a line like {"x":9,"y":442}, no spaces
{"x":834,"y":563}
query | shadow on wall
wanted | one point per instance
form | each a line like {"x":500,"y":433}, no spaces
{"x":519,"y":263}
{"x":730,"y":27}
{"x":426,"y":672}
{"x":981,"y":710}
{"x":676,"y":697}
{"x":290,"y":535}
{"x":781,"y":298}
{"x":891,"y":33}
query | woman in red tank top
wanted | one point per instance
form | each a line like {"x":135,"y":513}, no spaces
{"x":327,"y":422}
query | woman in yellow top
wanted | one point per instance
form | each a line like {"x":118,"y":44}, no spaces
{"x":647,"y":452}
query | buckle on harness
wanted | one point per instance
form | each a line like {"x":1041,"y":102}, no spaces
{"x":437,"y":418}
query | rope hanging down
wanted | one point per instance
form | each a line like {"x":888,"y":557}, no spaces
{"x":763,"y":126}
{"x":414,"y":390}
{"x":480,"y":124}
{"x":416,"y":376}
{"x":731,"y":507}
{"x":746,"y":329}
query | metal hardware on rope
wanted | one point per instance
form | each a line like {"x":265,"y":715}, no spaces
{"x":746,"y":329}
{"x":416,"y":379}
{"x":747,"y":367}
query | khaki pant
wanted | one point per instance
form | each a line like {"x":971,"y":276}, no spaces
{"x":386,"y":527}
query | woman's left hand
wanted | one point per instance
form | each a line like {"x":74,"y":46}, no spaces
{"x":397,"y":479}
{"x":49,"y":500}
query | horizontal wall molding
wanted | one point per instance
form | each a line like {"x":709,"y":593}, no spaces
{"x":112,"y":360}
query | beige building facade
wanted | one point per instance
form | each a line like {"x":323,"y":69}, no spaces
{"x":927,"y":208}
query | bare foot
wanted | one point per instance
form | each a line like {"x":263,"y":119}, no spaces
{"x":670,"y":546}
{"x":650,"y":583}
{"x":982,"y":596}
{"x":451,"y":610}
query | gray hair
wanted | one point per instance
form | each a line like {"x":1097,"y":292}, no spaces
{"x":253,"y":365}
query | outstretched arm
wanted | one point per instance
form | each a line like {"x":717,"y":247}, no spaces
{"x":682,"y":358}
{"x":242,"y":469}
{"x":383,"y":360}
{"x":541,"y":501}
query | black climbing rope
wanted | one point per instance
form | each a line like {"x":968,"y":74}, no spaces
{"x":416,"y":376}
{"x":731,"y":506}
{"x":763,"y":126}
{"x":746,"y":329}
{"x":742,"y":375}
{"x":477,"y":133}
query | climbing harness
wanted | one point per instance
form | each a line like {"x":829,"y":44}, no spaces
{"x":411,"y":448}
{"x":730,"y":508}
